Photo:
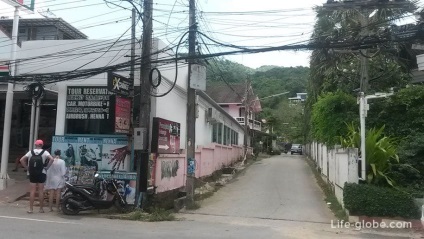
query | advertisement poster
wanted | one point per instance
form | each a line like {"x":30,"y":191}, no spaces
{"x":115,"y":154}
{"x":122,"y":114}
{"x":68,"y":147}
{"x":84,"y":156}
{"x":80,"y":174}
{"x":89,"y":151}
{"x":102,"y":153}
{"x":127,"y":183}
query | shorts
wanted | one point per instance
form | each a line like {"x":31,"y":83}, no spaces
{"x":37,"y":178}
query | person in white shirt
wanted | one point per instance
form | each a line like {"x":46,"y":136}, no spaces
{"x":56,"y":179}
{"x":36,"y":170}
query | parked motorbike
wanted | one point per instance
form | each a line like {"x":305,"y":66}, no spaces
{"x":83,"y":197}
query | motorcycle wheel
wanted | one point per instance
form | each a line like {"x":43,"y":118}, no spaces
{"x":68,"y":208}
{"x":121,"y":207}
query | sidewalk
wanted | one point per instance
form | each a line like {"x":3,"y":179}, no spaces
{"x":17,"y":190}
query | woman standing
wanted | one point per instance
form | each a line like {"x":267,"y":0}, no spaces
{"x":56,"y":179}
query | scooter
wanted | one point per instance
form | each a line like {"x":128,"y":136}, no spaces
{"x":80,"y":198}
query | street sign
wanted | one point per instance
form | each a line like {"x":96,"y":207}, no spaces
{"x":165,"y":136}
{"x":118,"y":84}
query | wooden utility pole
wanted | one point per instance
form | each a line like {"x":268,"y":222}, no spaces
{"x":144,"y":114}
{"x":191,"y":106}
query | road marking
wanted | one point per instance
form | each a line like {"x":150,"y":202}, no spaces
{"x":36,"y":220}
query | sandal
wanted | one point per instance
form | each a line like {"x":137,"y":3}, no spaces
{"x":29,"y":212}
{"x":41,"y":211}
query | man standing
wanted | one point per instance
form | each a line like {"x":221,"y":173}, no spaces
{"x":36,"y":162}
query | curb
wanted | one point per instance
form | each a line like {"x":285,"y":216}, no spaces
{"x":383,"y":222}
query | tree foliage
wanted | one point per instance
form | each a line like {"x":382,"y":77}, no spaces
{"x":330,"y":114}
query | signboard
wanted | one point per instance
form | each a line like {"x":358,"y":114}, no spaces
{"x":87,"y":103}
{"x":103,"y":153}
{"x":165,"y":136}
{"x":28,"y":4}
{"x":4,"y":69}
{"x":121,"y":114}
{"x":118,"y":84}
{"x":86,"y":155}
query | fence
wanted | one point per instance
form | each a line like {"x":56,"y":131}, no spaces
{"x":170,"y":169}
{"x":337,"y":166}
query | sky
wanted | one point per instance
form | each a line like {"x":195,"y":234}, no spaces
{"x":245,"y":23}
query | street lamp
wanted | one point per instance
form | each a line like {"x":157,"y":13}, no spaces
{"x":363,"y":108}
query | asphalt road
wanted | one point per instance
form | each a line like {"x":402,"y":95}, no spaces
{"x":274,"y":198}
{"x":280,"y":187}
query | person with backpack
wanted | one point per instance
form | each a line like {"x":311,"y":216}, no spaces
{"x":36,"y":162}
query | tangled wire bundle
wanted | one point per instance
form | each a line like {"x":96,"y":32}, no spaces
{"x":35,"y":90}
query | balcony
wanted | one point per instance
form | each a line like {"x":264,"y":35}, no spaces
{"x":253,"y":124}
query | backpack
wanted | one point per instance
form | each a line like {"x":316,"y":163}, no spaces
{"x":36,"y":165}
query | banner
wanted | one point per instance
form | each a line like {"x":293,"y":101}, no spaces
{"x":102,"y":153}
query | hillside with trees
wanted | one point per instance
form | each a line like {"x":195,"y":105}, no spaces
{"x":267,"y":81}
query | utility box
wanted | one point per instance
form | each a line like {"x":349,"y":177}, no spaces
{"x":139,"y":134}
{"x":198,"y":77}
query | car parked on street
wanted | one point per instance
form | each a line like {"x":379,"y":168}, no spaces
{"x":296,"y":149}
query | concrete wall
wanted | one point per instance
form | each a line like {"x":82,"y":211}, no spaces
{"x":170,"y":170}
{"x":337,"y":165}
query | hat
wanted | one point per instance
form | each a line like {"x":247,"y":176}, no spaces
{"x":39,"y":142}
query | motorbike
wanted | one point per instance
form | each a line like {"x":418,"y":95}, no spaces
{"x":79,"y":198}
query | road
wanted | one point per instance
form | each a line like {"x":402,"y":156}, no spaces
{"x":281,"y":187}
{"x":273,"y":198}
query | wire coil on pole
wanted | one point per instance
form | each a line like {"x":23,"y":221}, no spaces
{"x":35,"y":90}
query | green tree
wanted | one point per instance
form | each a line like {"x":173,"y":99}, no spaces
{"x":330,"y":114}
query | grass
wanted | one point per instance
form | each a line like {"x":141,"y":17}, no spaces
{"x":334,"y":205}
{"x":193,"y":206}
{"x":156,"y":215}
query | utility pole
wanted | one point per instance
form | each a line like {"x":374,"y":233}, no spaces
{"x":144,"y":114}
{"x":364,"y":19}
{"x":191,"y":106}
{"x":9,"y":104}
{"x":246,"y":123}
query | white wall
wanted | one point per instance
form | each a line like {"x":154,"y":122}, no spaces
{"x":337,"y":165}
{"x":5,"y":46}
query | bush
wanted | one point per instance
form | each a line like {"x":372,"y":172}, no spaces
{"x":373,"y":201}
{"x":329,"y":115}
{"x":274,"y":152}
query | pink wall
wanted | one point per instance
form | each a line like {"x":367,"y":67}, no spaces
{"x":234,"y":110}
{"x":171,"y":169}
{"x":170,"y":172}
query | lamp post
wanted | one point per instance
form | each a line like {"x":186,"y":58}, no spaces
{"x":363,"y":108}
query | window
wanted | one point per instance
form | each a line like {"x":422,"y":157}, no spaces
{"x":219,"y":133}
{"x":227,"y":135}
{"x":215,"y":133}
